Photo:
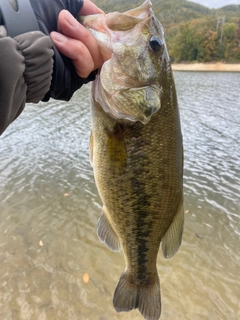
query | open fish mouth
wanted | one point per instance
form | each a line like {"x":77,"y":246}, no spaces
{"x":108,"y":29}
{"x":127,"y":86}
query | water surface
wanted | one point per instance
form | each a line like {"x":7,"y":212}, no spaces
{"x":49,"y":208}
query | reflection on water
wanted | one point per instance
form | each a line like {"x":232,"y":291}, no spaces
{"x":49,"y":210}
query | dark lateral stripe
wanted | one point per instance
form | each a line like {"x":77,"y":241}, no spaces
{"x":141,"y":231}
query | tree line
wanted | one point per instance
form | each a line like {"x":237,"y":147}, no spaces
{"x":206,"y":39}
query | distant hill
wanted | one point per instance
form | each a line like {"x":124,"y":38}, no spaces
{"x":159,"y":6}
{"x":193,"y":32}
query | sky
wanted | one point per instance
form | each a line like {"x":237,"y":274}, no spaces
{"x":216,"y":3}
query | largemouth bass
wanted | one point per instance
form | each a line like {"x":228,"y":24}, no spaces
{"x":136,"y":152}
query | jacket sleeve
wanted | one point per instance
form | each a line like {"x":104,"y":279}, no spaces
{"x":31,"y":68}
{"x":25,"y":72}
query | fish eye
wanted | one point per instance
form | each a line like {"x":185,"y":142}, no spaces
{"x":155,"y":43}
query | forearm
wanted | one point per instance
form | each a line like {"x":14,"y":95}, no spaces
{"x":25,"y":72}
{"x":12,"y":84}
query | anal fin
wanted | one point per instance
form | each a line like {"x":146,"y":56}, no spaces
{"x":106,"y":234}
{"x":173,"y":237}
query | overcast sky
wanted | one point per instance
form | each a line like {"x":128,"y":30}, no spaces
{"x":216,"y":3}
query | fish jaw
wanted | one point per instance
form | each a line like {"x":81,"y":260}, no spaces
{"x":109,"y":29}
{"x":134,"y":91}
{"x":103,"y":25}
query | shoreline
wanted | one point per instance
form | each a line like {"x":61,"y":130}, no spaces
{"x":214,"y":66}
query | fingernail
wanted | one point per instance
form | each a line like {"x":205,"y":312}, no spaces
{"x":71,"y":20}
{"x":58,"y":37}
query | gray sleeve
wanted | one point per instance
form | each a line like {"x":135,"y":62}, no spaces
{"x":25,"y":72}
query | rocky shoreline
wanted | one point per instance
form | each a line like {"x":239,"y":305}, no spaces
{"x":215,"y":66}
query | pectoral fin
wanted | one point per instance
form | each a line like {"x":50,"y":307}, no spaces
{"x":173,"y":237}
{"x":106,"y":234}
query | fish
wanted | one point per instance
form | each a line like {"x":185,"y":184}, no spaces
{"x":136,"y":151}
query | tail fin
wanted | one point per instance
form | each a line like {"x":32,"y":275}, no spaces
{"x":145,"y":297}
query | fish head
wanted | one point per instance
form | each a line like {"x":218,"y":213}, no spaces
{"x":128,"y":85}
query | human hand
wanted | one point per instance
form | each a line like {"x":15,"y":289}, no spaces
{"x":67,"y":65}
{"x":74,"y":41}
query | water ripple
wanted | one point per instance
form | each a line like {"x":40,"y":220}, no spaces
{"x":50,"y":207}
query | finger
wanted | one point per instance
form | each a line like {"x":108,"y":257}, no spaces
{"x":89,"y":8}
{"x":76,"y":51}
{"x":70,"y":27}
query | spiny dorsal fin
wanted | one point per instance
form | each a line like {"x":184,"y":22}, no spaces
{"x":106,"y":234}
{"x":144,"y":297}
{"x":173,"y":237}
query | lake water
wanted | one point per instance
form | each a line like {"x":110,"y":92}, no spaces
{"x":49,"y":209}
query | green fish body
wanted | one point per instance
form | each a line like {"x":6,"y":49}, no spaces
{"x":136,"y":152}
